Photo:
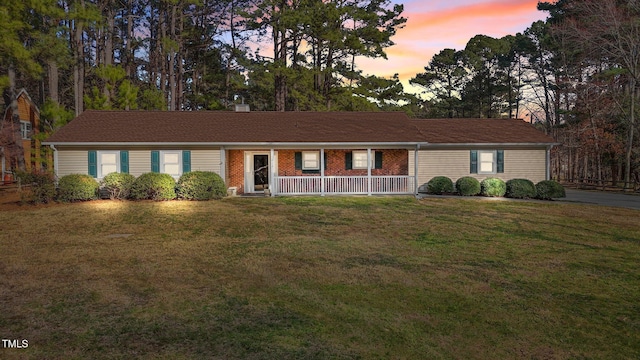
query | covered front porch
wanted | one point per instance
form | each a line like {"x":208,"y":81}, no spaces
{"x":321,"y":171}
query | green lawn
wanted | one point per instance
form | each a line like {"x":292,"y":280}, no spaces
{"x":321,"y":278}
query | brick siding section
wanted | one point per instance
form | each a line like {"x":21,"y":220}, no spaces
{"x":235,"y":169}
{"x":394,"y":162}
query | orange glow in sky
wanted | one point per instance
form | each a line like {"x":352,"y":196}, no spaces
{"x":433,"y":25}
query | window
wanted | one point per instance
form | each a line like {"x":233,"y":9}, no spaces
{"x":25,"y":129}
{"x":107,"y":162}
{"x":174,"y":163}
{"x":310,"y":160}
{"x":487,"y":161}
{"x":102,"y":163}
{"x":360,"y":160}
{"x":170,"y":163}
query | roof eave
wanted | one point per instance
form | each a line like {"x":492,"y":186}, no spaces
{"x":519,"y":144}
{"x":236,"y":144}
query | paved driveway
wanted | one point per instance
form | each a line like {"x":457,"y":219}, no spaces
{"x":603,"y":198}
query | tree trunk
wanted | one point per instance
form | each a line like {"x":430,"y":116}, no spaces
{"x":630,"y":131}
{"x":78,"y":67}
{"x":181,"y":53}
{"x":596,"y":141}
{"x":172,"y":61}
{"x":53,"y":81}
{"x":129,"y":50}
{"x":576,"y":165}
{"x":16,"y":148}
{"x":280,"y":92}
{"x":162,"y":58}
{"x":107,"y":50}
{"x":108,"y":37}
{"x":280,"y":64}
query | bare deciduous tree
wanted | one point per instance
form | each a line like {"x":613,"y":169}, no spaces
{"x":609,"y":30}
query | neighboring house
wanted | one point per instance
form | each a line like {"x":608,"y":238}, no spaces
{"x":29,"y":126}
{"x":294,"y":153}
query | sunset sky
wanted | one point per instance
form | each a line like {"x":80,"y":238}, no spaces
{"x":434,"y":25}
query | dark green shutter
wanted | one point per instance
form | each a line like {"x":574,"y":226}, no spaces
{"x":348,"y":160}
{"x":474,"y":162}
{"x":298,"y":161}
{"x":500,"y":161}
{"x":155,"y":161}
{"x":378,"y":160}
{"x":186,"y":161}
{"x":325,"y":160}
{"x":124,"y":162}
{"x":93,"y":163}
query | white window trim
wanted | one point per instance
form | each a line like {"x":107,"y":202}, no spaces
{"x":99,"y":161}
{"x":365,"y":153}
{"x":494,"y":165}
{"x":162,"y":162}
{"x":25,"y":130}
{"x":317,"y":156}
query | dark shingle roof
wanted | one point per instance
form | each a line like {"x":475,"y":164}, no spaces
{"x":480,"y":131}
{"x":236,"y":127}
{"x":289,"y":127}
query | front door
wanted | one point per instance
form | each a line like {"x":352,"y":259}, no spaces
{"x":260,"y":172}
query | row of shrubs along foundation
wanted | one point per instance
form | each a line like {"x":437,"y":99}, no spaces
{"x":195,"y":185}
{"x":495,"y":187}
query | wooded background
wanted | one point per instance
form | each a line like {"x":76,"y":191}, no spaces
{"x":574,"y":75}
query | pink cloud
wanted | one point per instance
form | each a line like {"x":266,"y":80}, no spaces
{"x":487,"y":9}
{"x":438,"y":24}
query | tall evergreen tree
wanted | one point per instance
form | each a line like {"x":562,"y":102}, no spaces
{"x":443,"y":80}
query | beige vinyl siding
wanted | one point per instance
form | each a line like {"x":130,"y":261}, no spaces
{"x":72,"y":162}
{"x":76,"y":161}
{"x":451,"y":163}
{"x":139,"y":162}
{"x":201,"y":160}
{"x":518,"y":163}
{"x":525,"y":164}
{"x":205,"y":160}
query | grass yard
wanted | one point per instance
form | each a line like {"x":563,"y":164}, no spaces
{"x":320,"y":278}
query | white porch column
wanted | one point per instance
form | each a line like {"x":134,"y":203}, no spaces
{"x":369,"y":171}
{"x":223,"y":164}
{"x":415,"y":174}
{"x":273,"y":187}
{"x":322,"y":172}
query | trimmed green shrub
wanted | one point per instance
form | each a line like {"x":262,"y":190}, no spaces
{"x":36,"y":188}
{"x":77,"y":187}
{"x":520,"y":189}
{"x":468,"y":186}
{"x":440,"y":185}
{"x":493,"y":187}
{"x":154,"y":186}
{"x":118,"y":185}
{"x":549,"y":189}
{"x":200,"y":185}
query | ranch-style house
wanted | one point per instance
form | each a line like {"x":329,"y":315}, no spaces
{"x":300,"y":153}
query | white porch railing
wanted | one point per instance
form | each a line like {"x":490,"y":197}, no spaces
{"x":353,"y":185}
